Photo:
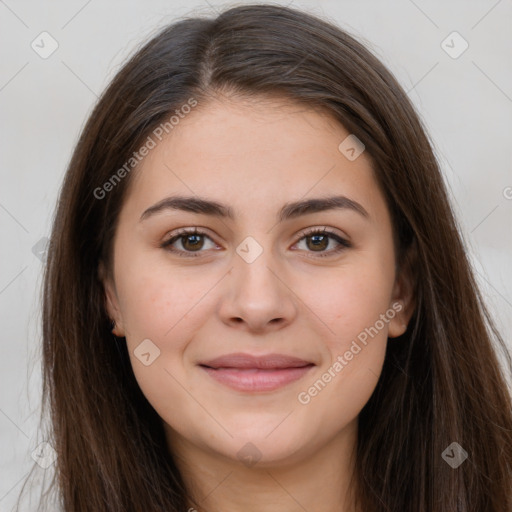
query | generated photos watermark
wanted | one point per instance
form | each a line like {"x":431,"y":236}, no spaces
{"x":304,"y":397}
{"x":156,"y":136}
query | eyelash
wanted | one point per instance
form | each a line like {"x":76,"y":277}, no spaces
{"x":343,"y":244}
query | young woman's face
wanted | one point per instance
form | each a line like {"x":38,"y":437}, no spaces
{"x":301,"y":320}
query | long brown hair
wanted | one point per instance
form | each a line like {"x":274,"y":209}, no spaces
{"x":442,"y":381}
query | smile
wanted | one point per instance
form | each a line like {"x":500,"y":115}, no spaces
{"x":247,"y":373}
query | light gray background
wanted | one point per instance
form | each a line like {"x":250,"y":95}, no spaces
{"x":465,"y":102}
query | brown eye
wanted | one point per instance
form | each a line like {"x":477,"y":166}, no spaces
{"x":191,"y":241}
{"x":318,"y":240}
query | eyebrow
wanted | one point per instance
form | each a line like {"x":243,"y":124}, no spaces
{"x":199,"y":205}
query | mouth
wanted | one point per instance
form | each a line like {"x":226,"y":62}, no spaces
{"x":247,"y":373}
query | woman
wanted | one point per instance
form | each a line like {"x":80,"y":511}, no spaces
{"x":256,"y":295}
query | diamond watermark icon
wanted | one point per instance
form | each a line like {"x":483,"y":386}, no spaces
{"x":454,"y":455}
{"x":454,"y":45}
{"x":249,"y":249}
{"x":44,"y":455}
{"x":40,"y":248}
{"x":249,"y":454}
{"x":351,"y":147}
{"x":44,"y":45}
{"x":146,"y":352}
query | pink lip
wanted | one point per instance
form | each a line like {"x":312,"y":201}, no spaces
{"x":244,"y":372}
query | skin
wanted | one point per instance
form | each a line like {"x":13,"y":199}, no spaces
{"x":255,"y":157}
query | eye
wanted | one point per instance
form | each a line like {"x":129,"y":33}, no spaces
{"x":318,"y":240}
{"x":192,"y":241}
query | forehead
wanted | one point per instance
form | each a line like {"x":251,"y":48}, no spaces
{"x":257,"y":128}
{"x":253,"y":152}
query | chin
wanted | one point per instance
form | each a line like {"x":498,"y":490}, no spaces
{"x":260,"y":450}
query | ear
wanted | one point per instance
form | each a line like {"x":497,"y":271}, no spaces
{"x":403,"y":299}
{"x":111,"y":300}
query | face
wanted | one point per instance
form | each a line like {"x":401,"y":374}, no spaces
{"x":298,"y":302}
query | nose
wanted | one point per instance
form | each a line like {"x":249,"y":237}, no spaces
{"x":257,"y":297}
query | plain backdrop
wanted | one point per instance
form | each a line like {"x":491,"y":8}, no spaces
{"x":463,"y":95}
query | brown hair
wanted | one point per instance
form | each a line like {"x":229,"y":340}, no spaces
{"x":441,"y":382}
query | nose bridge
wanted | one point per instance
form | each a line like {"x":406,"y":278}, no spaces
{"x":254,"y":267}
{"x":257,"y":293}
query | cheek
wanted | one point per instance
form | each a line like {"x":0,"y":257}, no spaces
{"x":156,"y":306}
{"x":355,"y":352}
{"x":351,"y":298}
{"x":154,"y":297}
{"x":354,"y":302}
{"x":142,"y":298}
{"x":157,"y":309}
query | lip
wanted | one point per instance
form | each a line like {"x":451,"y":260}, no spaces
{"x":248,"y":373}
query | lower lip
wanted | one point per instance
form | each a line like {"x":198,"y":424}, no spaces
{"x":252,"y":379}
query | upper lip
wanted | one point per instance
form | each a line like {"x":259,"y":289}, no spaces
{"x":241,"y":360}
